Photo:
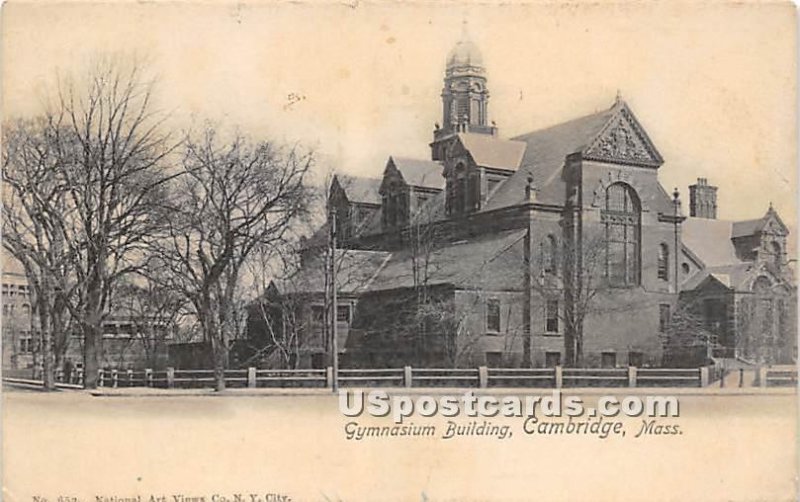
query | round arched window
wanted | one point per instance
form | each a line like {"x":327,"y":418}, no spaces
{"x":622,"y":219}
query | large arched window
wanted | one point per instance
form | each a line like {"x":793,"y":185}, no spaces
{"x":663,"y":262}
{"x":622,"y":219}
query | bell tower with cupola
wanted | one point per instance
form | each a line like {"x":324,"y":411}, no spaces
{"x":465,"y":97}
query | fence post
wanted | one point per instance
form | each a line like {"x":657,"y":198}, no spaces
{"x":483,"y":377}
{"x":130,"y":377}
{"x":632,"y":373}
{"x":741,"y":377}
{"x":148,"y":377}
{"x":72,"y":374}
{"x":114,"y":378}
{"x":170,"y":378}
{"x":407,"y":376}
{"x":762,"y":376}
{"x":329,"y":376}
{"x":251,"y":378}
{"x":80,"y":376}
{"x":101,"y":377}
{"x":704,"y":376}
{"x":559,"y":376}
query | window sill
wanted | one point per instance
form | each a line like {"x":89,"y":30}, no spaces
{"x":552,"y":334}
{"x":493,"y":333}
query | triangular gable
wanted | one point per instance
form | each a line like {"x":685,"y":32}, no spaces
{"x":390,"y":174}
{"x":773,"y":224}
{"x":623,"y":141}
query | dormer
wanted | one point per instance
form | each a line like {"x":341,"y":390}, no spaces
{"x":407,"y":187}
{"x":476,"y":165}
{"x":356,"y":200}
{"x":762,"y":240}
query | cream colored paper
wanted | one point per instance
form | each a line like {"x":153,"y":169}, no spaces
{"x":714,"y":83}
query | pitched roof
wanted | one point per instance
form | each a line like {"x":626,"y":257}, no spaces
{"x":486,"y":262}
{"x":490,"y":151}
{"x":747,"y":227}
{"x":355,"y":271}
{"x":710,"y":241}
{"x":751,"y":227}
{"x":360,"y":189}
{"x":544,"y":157}
{"x":731,"y":276}
{"x":420,"y":173}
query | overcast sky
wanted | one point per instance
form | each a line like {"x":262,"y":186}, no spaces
{"x":713,"y":85}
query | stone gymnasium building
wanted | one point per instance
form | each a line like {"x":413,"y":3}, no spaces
{"x":558,"y":246}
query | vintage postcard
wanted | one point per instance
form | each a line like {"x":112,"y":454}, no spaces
{"x":267,"y":251}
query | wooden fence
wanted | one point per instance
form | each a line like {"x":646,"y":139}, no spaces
{"x":481,"y":377}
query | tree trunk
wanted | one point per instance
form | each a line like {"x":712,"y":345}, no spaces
{"x":91,"y":363}
{"x":46,"y":343}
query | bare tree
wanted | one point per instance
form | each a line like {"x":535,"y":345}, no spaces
{"x":233,"y":197}
{"x":153,"y":311}
{"x":35,"y":209}
{"x":101,"y":172}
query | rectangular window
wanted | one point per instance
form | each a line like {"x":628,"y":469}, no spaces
{"x":664,"y":317}
{"x":494,"y":359}
{"x":635,"y":359}
{"x":608,"y":359}
{"x":26,"y":345}
{"x":343,"y":313}
{"x":493,"y":315}
{"x":552,"y":359}
{"x":551,"y":316}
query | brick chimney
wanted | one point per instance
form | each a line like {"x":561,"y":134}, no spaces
{"x":703,"y":200}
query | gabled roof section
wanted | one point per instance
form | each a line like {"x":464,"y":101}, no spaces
{"x":419,"y":173}
{"x":490,"y":151}
{"x":736,"y":277}
{"x":612,"y":135}
{"x":488,"y":262}
{"x":544,"y":158}
{"x":710,"y":241}
{"x":623,"y":140}
{"x":770,"y":222}
{"x":356,"y":269}
{"x":359,"y":189}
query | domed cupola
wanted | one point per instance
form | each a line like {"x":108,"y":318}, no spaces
{"x":465,"y":56}
{"x":465,"y":97}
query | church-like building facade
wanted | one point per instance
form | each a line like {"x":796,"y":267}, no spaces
{"x":556,"y":247}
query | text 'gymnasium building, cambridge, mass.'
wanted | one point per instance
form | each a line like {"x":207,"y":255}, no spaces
{"x":558,"y":246}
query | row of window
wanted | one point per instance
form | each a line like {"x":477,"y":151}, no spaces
{"x":608,"y":359}
{"x":10,"y":309}
{"x":551,"y":316}
{"x":15,"y":290}
{"x":493,"y":316}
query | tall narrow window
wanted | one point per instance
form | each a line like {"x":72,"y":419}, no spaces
{"x":663,"y":262}
{"x":622,"y":219}
{"x":777,"y":255}
{"x":550,"y":255}
{"x":493,"y":315}
{"x":551,"y":316}
{"x":664,"y":317}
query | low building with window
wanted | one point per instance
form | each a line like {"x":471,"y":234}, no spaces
{"x":555,"y":247}
{"x":19,"y":343}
